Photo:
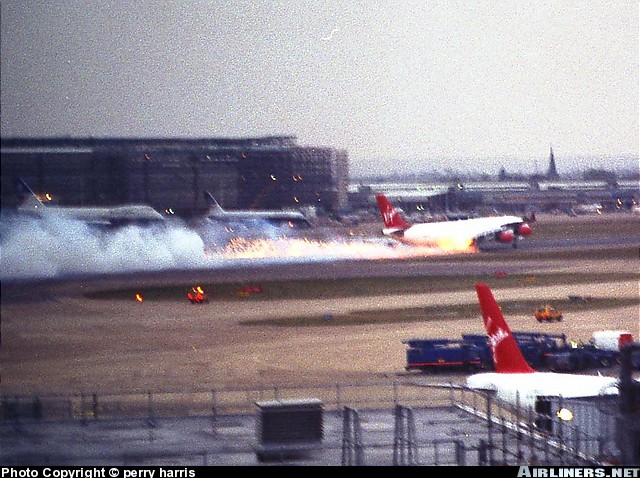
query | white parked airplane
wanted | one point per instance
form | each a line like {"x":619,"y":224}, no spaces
{"x":464,"y":232}
{"x":514,"y":381}
{"x":581,"y":209}
{"x":293,"y":219}
{"x":113,"y":216}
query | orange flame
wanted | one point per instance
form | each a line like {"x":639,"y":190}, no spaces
{"x":456,"y":244}
{"x":242,"y":248}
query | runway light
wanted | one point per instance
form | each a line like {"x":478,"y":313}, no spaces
{"x":565,"y":414}
{"x":139,"y":297}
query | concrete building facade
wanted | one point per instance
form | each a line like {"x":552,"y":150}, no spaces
{"x":259,"y":173}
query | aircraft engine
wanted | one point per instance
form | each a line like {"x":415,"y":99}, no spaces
{"x":524,"y":229}
{"x":505,"y":236}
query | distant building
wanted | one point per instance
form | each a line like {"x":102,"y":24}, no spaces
{"x":247,"y":173}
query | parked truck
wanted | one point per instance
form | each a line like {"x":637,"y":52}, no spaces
{"x":611,"y":339}
{"x":536,"y":347}
{"x":430,"y":354}
{"x":582,"y":357}
{"x":473,"y":351}
{"x":603,"y":350}
{"x":540,"y":350}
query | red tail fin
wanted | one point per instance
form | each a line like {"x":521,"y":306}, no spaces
{"x":392,"y":218}
{"x":507,"y":356}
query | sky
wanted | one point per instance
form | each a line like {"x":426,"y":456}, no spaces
{"x":403,"y":86}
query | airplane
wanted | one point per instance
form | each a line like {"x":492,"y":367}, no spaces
{"x":581,"y":209}
{"x":293,"y":219}
{"x":513,"y":380}
{"x":464,"y":232}
{"x":107,"y":217}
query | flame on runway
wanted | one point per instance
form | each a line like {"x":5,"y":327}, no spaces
{"x":456,"y":244}
{"x":58,"y":247}
{"x":300,"y":248}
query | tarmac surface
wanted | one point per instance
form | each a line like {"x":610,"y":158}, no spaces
{"x":58,"y":341}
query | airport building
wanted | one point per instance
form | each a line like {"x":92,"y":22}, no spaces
{"x":249,"y":173}
{"x":271,"y":173}
{"x":515,"y":195}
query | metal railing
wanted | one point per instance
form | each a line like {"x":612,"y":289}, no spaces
{"x":508,"y":435}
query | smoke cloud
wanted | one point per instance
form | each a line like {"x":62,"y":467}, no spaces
{"x":56,"y":247}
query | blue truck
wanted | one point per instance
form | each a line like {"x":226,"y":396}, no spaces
{"x":430,"y":354}
{"x":536,"y":347}
{"x":582,"y":357}
{"x":472,"y":351}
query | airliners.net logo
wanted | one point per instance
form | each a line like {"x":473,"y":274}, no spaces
{"x":577,"y":472}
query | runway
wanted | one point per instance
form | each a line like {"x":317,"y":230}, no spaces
{"x":50,"y":328}
{"x":57,"y":340}
{"x":534,"y":257}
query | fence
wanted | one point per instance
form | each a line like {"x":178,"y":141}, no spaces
{"x":223,"y":401}
{"x":366,"y":423}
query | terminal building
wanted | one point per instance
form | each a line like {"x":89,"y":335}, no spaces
{"x":516,"y":195}
{"x":172,"y":174}
{"x":250,"y":173}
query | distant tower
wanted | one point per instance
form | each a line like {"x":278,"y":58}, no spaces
{"x":552,"y":172}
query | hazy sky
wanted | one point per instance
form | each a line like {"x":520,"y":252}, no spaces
{"x":405,"y":85}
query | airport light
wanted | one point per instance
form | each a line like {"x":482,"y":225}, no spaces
{"x":565,"y":414}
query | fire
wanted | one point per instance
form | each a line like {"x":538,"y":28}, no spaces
{"x":456,"y":244}
{"x":196,"y":295}
{"x":139,"y":297}
{"x":243,"y":248}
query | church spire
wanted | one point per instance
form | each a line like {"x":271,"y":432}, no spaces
{"x":552,"y":172}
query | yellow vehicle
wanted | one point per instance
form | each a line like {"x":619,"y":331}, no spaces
{"x":548,"y":313}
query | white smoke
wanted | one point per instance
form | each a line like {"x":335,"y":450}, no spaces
{"x":56,"y":247}
{"x":60,"y":247}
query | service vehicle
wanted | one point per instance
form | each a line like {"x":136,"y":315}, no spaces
{"x":611,"y":339}
{"x":547,"y":313}
{"x":424,"y":354}
{"x":535,"y":346}
{"x":583,"y":357}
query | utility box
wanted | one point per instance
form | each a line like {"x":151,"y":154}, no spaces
{"x":286,"y":428}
